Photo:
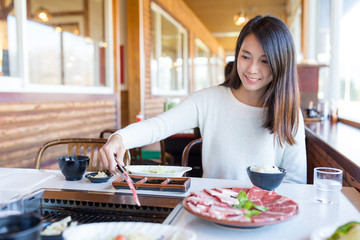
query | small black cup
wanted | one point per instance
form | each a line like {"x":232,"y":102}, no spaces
{"x":73,"y":167}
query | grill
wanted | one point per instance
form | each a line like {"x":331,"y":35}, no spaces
{"x":89,"y":207}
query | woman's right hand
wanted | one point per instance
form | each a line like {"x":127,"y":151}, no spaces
{"x":113,"y":151}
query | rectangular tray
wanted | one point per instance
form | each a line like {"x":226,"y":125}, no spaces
{"x":155,"y":183}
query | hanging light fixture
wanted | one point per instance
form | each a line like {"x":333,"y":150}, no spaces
{"x":42,"y":14}
{"x":240,"y":18}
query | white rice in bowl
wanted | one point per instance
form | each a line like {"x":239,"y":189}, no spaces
{"x":265,"y":169}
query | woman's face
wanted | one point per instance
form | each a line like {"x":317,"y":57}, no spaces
{"x":252,"y":66}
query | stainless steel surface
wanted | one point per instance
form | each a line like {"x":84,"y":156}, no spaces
{"x":88,"y":206}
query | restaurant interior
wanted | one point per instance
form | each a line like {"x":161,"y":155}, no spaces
{"x":72,"y":72}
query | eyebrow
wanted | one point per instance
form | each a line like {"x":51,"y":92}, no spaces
{"x":245,"y":51}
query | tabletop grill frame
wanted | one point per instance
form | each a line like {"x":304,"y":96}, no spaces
{"x":90,"y":207}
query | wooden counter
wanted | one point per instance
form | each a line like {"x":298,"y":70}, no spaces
{"x":335,"y":145}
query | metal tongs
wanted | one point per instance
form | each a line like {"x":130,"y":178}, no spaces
{"x":122,"y":171}
{"x":128,"y":180}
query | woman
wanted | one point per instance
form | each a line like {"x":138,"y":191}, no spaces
{"x":253,"y":118}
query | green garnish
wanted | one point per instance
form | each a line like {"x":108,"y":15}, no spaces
{"x":343,"y":230}
{"x":245,"y":202}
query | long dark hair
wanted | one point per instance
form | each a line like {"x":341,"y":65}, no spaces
{"x":281,"y":99}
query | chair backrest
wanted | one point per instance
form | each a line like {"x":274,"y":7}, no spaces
{"x":75,"y":146}
{"x":104,"y":133}
{"x":173,"y":146}
{"x":186,"y":152}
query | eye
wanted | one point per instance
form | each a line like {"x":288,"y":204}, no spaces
{"x":265,"y":61}
{"x":244,"y":57}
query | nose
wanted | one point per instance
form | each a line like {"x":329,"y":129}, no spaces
{"x":253,"y":66}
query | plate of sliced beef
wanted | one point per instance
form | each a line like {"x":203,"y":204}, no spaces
{"x":241,"y":207}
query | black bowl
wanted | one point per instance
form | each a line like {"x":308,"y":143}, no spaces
{"x":73,"y":167}
{"x":90,"y":176}
{"x":20,"y":227}
{"x":266,"y":181}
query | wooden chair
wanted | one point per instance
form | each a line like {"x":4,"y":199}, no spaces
{"x":74,"y":146}
{"x":186,"y":152}
{"x":106,"y":132}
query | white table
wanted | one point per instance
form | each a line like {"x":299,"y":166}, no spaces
{"x":312,"y":215}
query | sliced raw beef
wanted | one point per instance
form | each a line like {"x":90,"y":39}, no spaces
{"x":226,"y":191}
{"x":257,"y":193}
{"x":199,"y":208}
{"x":224,"y":212}
{"x":222,"y":197}
{"x":237,"y":189}
{"x":201,"y":194}
{"x":257,"y":202}
{"x":206,"y":201}
{"x":283,"y":211}
{"x":239,"y":218}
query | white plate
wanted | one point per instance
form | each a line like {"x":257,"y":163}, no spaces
{"x":106,"y":231}
{"x":323,"y":233}
{"x":161,"y":171}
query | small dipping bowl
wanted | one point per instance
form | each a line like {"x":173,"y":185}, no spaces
{"x":93,"y":179}
{"x":73,"y":167}
{"x":266,"y":181}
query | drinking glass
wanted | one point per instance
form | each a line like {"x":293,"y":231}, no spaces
{"x":11,"y":203}
{"x":328,"y":184}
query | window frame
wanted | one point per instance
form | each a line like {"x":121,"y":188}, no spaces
{"x":201,"y":45}
{"x":21,"y":82}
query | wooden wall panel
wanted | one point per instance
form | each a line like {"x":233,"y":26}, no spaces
{"x":26,"y":125}
{"x":133,"y":56}
{"x":319,"y":154}
{"x":124,"y":108}
{"x":153,"y":104}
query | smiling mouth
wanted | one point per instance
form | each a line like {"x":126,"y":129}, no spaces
{"x":250,"y":79}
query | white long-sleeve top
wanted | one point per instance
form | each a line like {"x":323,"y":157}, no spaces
{"x":232,"y":133}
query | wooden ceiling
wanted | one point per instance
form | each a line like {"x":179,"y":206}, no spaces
{"x":217,"y":16}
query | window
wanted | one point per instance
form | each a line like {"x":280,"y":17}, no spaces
{"x":349,"y":71}
{"x":218,"y":70}
{"x":202,"y":74}
{"x":320,"y":50}
{"x":8,"y":40}
{"x":44,"y":54}
{"x":169,"y":54}
{"x":337,"y":45}
{"x":66,"y":46}
{"x":69,"y":46}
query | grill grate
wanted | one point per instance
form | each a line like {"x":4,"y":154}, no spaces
{"x":92,"y":207}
